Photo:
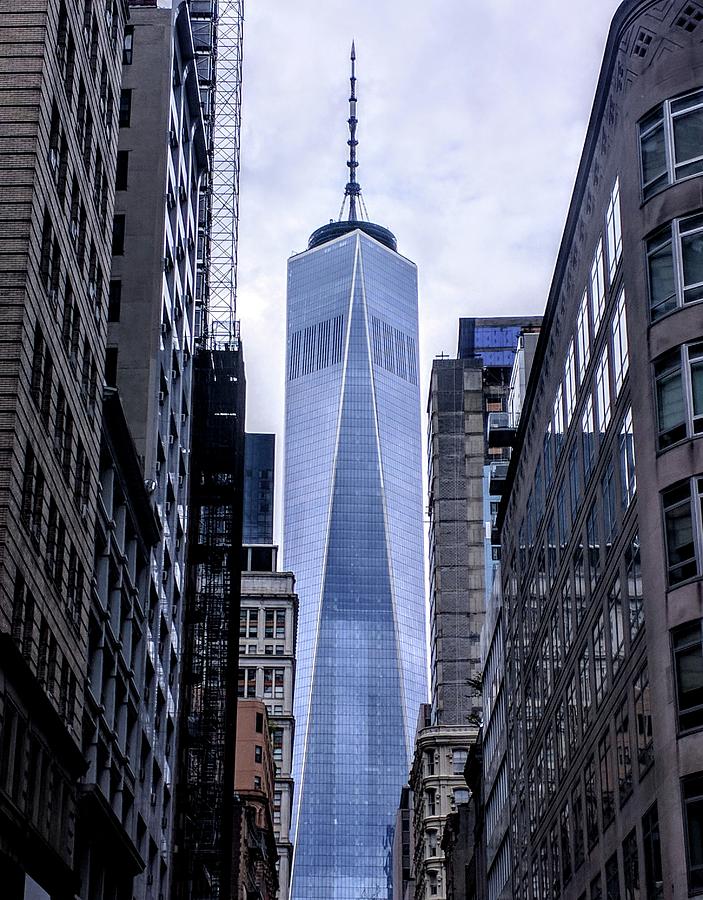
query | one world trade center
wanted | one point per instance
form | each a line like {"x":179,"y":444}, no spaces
{"x":353,"y":537}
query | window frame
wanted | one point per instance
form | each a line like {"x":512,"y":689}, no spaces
{"x":678,"y":651}
{"x":662,"y":116}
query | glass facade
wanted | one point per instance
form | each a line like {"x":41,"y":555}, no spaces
{"x":353,"y":536}
{"x":259,"y":461}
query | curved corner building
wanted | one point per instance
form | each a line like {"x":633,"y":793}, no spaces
{"x":353,"y":536}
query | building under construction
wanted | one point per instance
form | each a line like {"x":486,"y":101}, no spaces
{"x":208,"y":720}
{"x":206,"y":868}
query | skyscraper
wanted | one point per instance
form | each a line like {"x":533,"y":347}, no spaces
{"x":353,"y":535}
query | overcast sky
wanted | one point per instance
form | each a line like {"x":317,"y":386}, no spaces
{"x":471,"y":116}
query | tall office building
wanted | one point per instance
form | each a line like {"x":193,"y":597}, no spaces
{"x":602,"y":535}
{"x":61,"y":65}
{"x":353,"y":536}
{"x":161,"y":159}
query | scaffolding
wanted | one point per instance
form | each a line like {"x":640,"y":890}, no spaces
{"x":211,"y":632}
{"x":218,"y":31}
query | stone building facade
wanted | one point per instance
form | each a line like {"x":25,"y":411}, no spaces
{"x":602,"y":537}
{"x":61,"y":64}
{"x":267,"y":641}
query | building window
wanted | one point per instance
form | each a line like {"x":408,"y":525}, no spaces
{"x":643,"y":717}
{"x":268,"y":623}
{"x":687,"y":641}
{"x":675,"y":263}
{"x":614,"y":230}
{"x":670,"y":142}
{"x":603,"y":392}
{"x":693,"y":824}
{"x":588,"y":438}
{"x":599,"y":658}
{"x":432,"y":843}
{"x":429,"y":762}
{"x":247,"y":683}
{"x":114,"y":300}
{"x":612,"y":878}
{"x":579,"y":848}
{"x":583,"y":336}
{"x":652,"y":854}
{"x":559,"y":419}
{"x":118,"y":232}
{"x":280,"y":624}
{"x":682,"y":521}
{"x":678,"y":380}
{"x":621,"y":359}
{"x":634,"y":587}
{"x":591,"y":803}
{"x":624,"y":752}
{"x":631,"y":866}
{"x":628,"y":475}
{"x":431,"y":796}
{"x":258,"y":753}
{"x":597,"y":288}
{"x":128,"y":45}
{"x":432,"y":884}
{"x":570,"y":383}
{"x":122,"y":170}
{"x":607,"y":487}
{"x":593,"y":540}
{"x":459,"y":758}
{"x":617,"y":626}
{"x":607,"y":793}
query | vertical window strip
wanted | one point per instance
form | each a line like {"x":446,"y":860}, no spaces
{"x":614,"y":231}
{"x":621,"y":360}
{"x":597,"y":288}
{"x":583,"y":337}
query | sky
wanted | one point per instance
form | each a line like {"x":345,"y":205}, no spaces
{"x":472,"y":116}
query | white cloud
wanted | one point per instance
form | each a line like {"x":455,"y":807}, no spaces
{"x":472,"y":117}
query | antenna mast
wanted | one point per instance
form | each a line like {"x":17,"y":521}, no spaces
{"x":353,"y":188}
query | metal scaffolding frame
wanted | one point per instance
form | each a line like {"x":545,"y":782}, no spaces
{"x":211,"y":634}
{"x":218,"y":31}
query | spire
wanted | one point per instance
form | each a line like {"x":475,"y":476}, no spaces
{"x":353,"y":188}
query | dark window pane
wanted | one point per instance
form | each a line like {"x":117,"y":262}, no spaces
{"x":693,"y":812}
{"x":688,"y":663}
{"x":662,"y":287}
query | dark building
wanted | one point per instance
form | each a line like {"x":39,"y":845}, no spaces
{"x":602,"y":535}
{"x":61,"y":79}
{"x":206,"y":866}
{"x":259,"y":464}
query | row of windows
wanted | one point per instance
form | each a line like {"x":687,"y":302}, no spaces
{"x":593,"y":426}
{"x":562,"y":853}
{"x":29,"y":775}
{"x":52,"y":669}
{"x":393,"y":350}
{"x":274,"y":622}
{"x":50,"y":537}
{"x":273,"y":683}
{"x":316,"y":347}
{"x":76,"y":471}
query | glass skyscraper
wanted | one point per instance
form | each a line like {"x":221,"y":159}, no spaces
{"x":353,"y":536}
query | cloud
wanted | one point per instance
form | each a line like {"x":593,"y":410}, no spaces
{"x":472,"y":118}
